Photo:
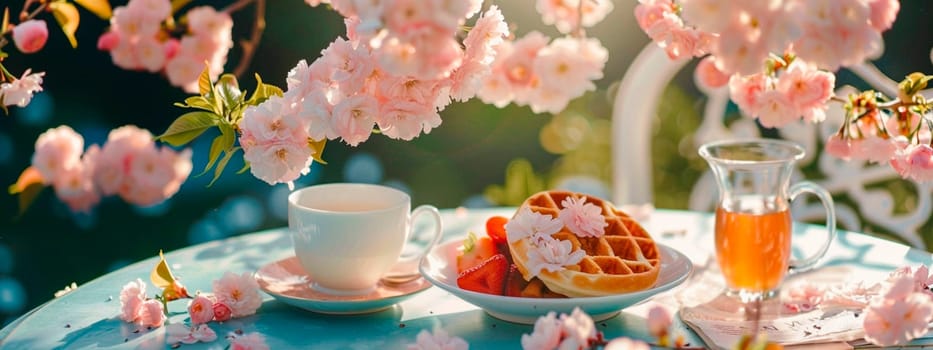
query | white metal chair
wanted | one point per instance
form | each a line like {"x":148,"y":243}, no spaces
{"x":636,"y":105}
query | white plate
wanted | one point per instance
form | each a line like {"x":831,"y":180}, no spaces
{"x":440,"y":268}
{"x":288,"y":282}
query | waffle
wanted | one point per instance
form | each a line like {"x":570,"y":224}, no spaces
{"x":625,"y":259}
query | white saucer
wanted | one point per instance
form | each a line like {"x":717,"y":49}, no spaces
{"x":288,"y":282}
{"x":440,"y":268}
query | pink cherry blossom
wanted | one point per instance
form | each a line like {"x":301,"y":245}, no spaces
{"x":355,"y":117}
{"x":839,"y":146}
{"x":111,"y":170}
{"x":578,"y":329}
{"x":352,"y":64}
{"x":532,"y":225}
{"x":883,"y":13}
{"x":707,"y":75}
{"x":489,"y":31}
{"x":206,"y":21}
{"x":57,"y":150}
{"x":75,"y":185}
{"x":659,"y":322}
{"x":582,"y":218}
{"x":649,"y":12}
{"x":201,"y":310}
{"x":133,"y":23}
{"x":183,"y":71}
{"x":249,"y":341}
{"x":132,"y":297}
{"x":406,"y":119}
{"x":552,"y":255}
{"x":807,"y":89}
{"x":775,"y":110}
{"x":712,"y":16}
{"x":874,"y":149}
{"x":19,"y":91}
{"x":239,"y":292}
{"x":675,"y":38}
{"x":182,"y":334}
{"x":913,"y":161}
{"x":222,"y":312}
{"x":155,"y":175}
{"x":108,"y":40}
{"x":151,"y":314}
{"x":564,"y":14}
{"x":746,"y":92}
{"x":30,"y":36}
{"x":439,"y":339}
{"x":899,"y":316}
{"x":275,"y":142}
{"x":546,"y":334}
{"x":624,"y":343}
{"x":560,"y":67}
{"x":315,"y":112}
{"x":170,"y":48}
{"x":154,"y":10}
{"x":803,"y":297}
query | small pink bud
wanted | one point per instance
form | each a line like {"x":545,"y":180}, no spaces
{"x":30,"y":36}
{"x":170,"y":47}
{"x":659,"y":320}
{"x":108,"y":41}
{"x":222,"y":312}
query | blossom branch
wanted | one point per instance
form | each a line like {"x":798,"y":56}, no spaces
{"x":259,"y":25}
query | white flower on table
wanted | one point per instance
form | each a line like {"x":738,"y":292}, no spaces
{"x":579,"y":329}
{"x":552,"y":255}
{"x":180,"y":333}
{"x":439,"y":340}
{"x":529,"y":224}
{"x":582,"y":218}
{"x":546,"y":334}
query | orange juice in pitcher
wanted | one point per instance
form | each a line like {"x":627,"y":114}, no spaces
{"x":753,"y":249}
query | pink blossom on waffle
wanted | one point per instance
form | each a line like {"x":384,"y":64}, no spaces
{"x":355,"y":117}
{"x":582,"y":218}
{"x":155,"y":174}
{"x":19,"y":92}
{"x":438,"y":339}
{"x":75,"y":185}
{"x":839,"y":146}
{"x":578,"y":328}
{"x":552,"y":255}
{"x":901,"y":315}
{"x":132,"y":297}
{"x":807,"y":89}
{"x":546,"y":335}
{"x":57,"y":150}
{"x":565,"y":14}
{"x":803,"y":297}
{"x":659,"y":322}
{"x":239,"y":292}
{"x":201,"y":309}
{"x":248,"y":341}
{"x":913,"y":161}
{"x":532,"y":225}
{"x":222,"y":312}
{"x":883,"y":13}
{"x":275,"y":142}
{"x":151,"y":314}
{"x":624,"y":343}
{"x":708,"y":76}
{"x":30,"y":36}
{"x":179,"y":333}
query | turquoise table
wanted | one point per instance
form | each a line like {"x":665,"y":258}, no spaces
{"x":87,"y":318}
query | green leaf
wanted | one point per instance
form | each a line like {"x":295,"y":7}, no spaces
{"x":229,"y":90}
{"x":244,"y":168}
{"x":68,"y":18}
{"x":263,"y":92}
{"x":204,"y":81}
{"x":6,"y":21}
{"x":223,"y":164}
{"x":101,"y":8}
{"x":198,"y":102}
{"x":220,"y":144}
{"x":187,"y":127}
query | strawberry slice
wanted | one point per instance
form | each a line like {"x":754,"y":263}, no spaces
{"x":488,"y":277}
{"x":475,"y":251}
{"x":515,"y":283}
{"x":495,"y":228}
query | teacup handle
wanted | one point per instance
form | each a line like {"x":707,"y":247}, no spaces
{"x":411,"y":263}
{"x":807,"y":264}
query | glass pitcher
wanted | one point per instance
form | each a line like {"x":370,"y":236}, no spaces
{"x":753,"y":220}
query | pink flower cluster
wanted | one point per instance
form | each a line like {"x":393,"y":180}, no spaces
{"x":136,"y":307}
{"x":237,"y":293}
{"x":19,"y":91}
{"x":574,"y":331}
{"x":565,"y":14}
{"x":137,"y":40}
{"x":398,"y":67}
{"x":129,"y":165}
{"x":30,"y":36}
{"x":742,"y":35}
{"x":544,"y":74}
{"x":800,"y":90}
{"x":439,"y":339}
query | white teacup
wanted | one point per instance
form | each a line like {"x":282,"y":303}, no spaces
{"x":347,"y":236}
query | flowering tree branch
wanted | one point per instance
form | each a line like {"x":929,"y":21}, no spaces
{"x":259,"y":25}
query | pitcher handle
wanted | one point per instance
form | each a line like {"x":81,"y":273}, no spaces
{"x":827,"y":199}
